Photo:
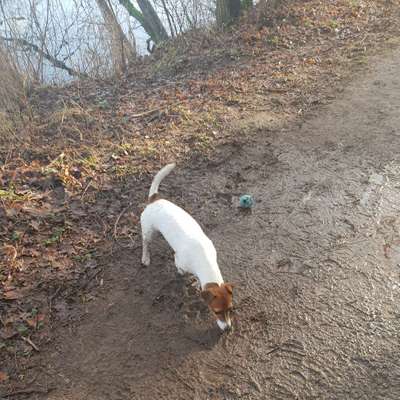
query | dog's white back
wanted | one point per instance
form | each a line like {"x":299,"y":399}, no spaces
{"x":194,"y":251}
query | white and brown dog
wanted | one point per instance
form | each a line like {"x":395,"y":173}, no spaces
{"x":194,"y":251}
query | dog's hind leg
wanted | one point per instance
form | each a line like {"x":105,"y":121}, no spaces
{"x":147,"y":233}
{"x":179,"y":265}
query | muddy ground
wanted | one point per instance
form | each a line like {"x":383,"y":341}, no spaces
{"x":316,"y":266}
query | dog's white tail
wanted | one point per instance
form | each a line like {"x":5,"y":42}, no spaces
{"x":159,"y":177}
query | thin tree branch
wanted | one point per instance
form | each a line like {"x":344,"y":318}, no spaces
{"x":167,"y":13}
{"x":54,"y":61}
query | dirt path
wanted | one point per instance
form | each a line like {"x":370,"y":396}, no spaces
{"x":317,"y":268}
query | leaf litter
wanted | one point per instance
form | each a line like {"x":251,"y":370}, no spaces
{"x":71,"y":192}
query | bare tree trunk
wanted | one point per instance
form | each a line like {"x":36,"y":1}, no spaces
{"x":235,"y":8}
{"x":222,"y":12}
{"x":148,"y":18}
{"x":227,"y":12}
{"x":167,"y":13}
{"x":122,"y":50}
{"x":152,"y":18}
{"x":247,"y":4}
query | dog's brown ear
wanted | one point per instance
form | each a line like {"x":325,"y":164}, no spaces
{"x":229,"y":287}
{"x":207,"y":295}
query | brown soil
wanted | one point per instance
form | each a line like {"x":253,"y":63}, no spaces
{"x":316,"y":264}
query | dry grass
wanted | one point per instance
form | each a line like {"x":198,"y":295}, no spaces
{"x":11,"y":83}
{"x":12,"y":97}
{"x":78,"y":160}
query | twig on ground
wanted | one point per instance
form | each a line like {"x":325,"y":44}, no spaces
{"x":84,"y":286}
{"x":28,"y":391}
{"x":117,"y":221}
{"x":86,"y":189}
{"x":26,"y":339}
{"x":273,"y":350}
{"x":145,"y":113}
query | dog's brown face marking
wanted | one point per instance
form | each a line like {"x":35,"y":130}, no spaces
{"x":219,"y":299}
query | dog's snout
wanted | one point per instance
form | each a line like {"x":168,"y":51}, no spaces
{"x":222,"y":324}
{"x":225,"y":325}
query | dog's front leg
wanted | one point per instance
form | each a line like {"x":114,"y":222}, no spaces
{"x":145,"y":253}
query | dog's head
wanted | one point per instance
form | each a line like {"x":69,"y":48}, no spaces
{"x":219,"y":299}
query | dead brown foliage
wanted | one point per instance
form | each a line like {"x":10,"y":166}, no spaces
{"x":12,"y":96}
{"x":71,"y":190}
{"x":11,"y":82}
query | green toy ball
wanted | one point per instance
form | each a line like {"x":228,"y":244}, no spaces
{"x":246,"y":201}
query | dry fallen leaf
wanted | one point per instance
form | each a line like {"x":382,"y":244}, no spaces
{"x":7,"y":333}
{"x":12,"y":295}
{"x":3,"y":376}
{"x":35,"y":225}
{"x":10,"y":252}
{"x":12,"y":211}
{"x":34,"y":321}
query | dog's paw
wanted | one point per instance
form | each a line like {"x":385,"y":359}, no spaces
{"x":145,"y":261}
